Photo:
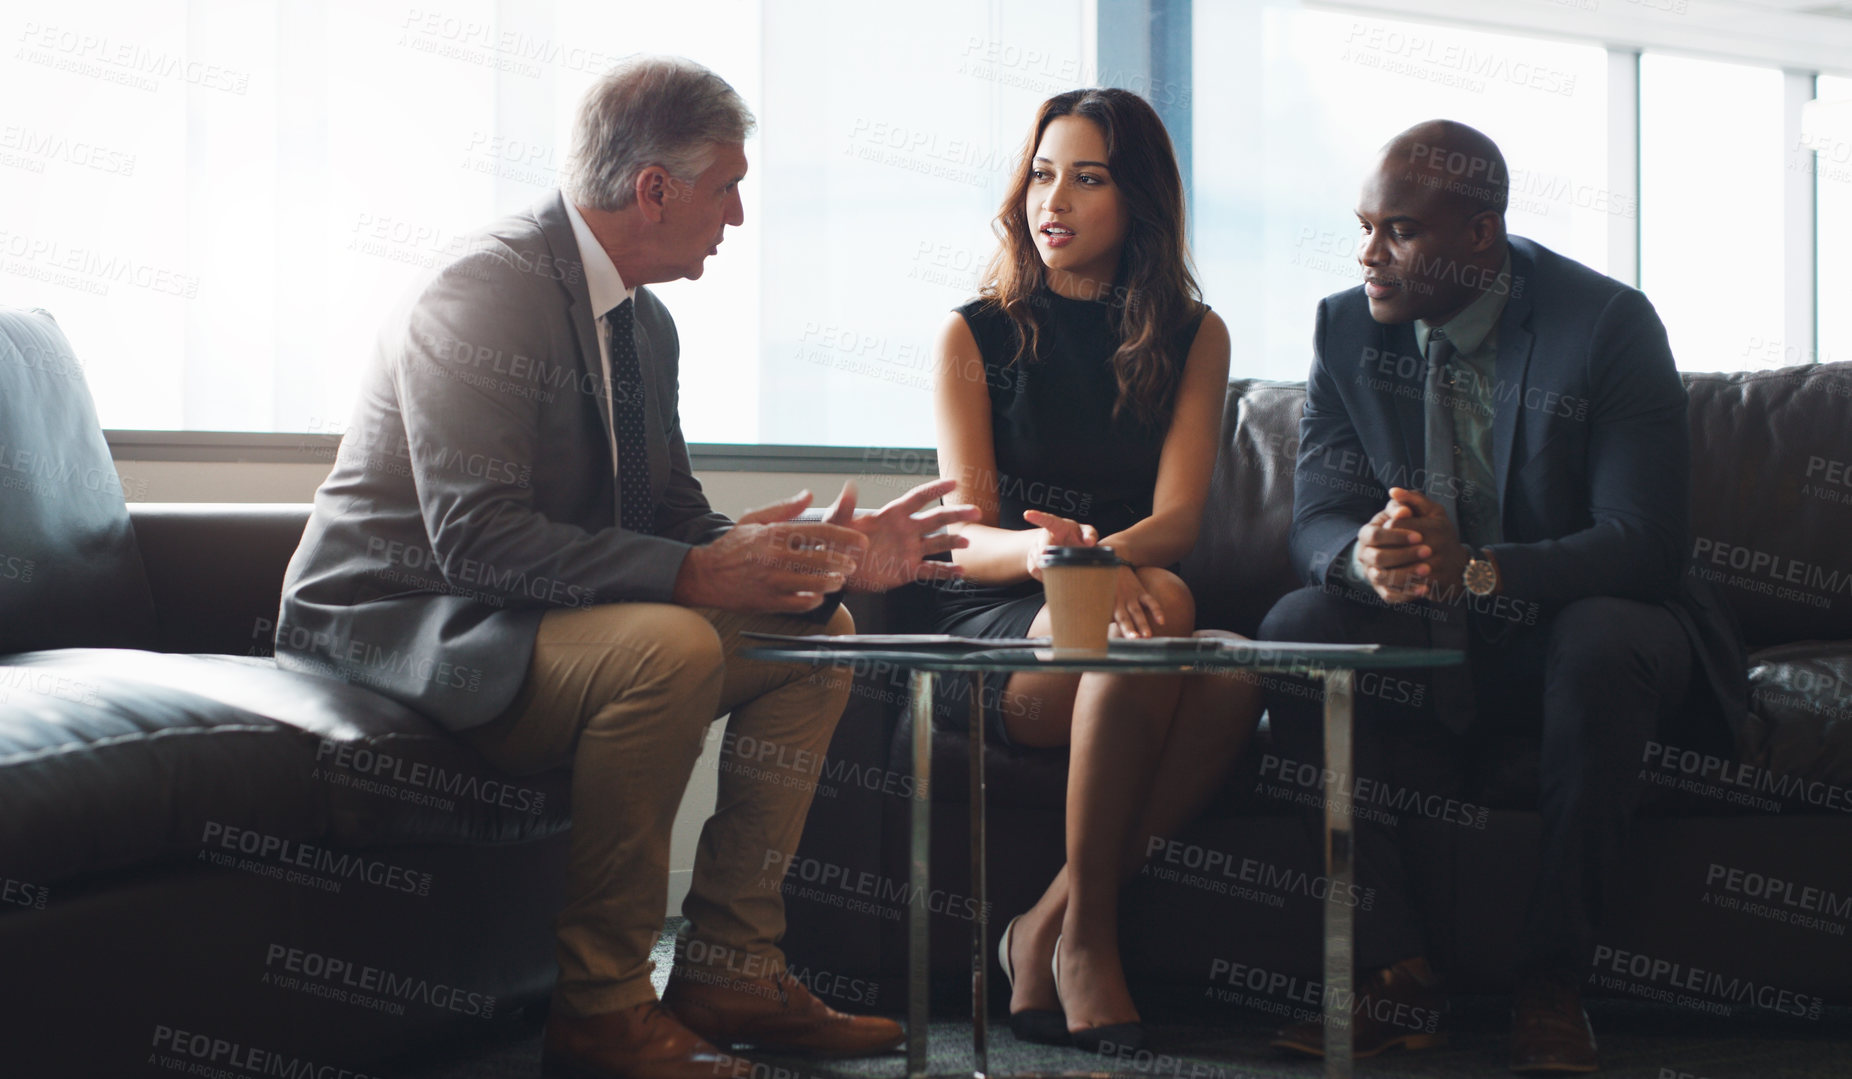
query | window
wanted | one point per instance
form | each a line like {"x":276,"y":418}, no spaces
{"x":1828,"y":134}
{"x":1711,"y":198}
{"x":222,"y":200}
{"x":883,"y":168}
{"x":229,"y":198}
{"x":1284,"y":137}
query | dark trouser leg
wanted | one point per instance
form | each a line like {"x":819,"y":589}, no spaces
{"x":1397,"y":744}
{"x":1613,"y":670}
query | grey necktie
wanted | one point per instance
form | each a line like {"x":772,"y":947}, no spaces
{"x":637,"y":512}
{"x":1453,"y":686}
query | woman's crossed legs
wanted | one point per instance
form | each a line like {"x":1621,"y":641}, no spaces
{"x":1147,"y":753}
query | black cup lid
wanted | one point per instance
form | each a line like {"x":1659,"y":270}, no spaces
{"x":1078,"y":556}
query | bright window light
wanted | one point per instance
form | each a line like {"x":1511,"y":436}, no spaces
{"x":1711,"y":224}
{"x":1827,"y":132}
{"x":1311,"y":103}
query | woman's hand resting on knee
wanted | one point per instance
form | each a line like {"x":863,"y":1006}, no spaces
{"x":1135,"y":612}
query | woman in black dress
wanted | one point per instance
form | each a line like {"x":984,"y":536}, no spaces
{"x":1079,"y":401}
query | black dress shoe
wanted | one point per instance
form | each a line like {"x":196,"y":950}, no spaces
{"x":1044,"y":1026}
{"x":1550,"y":1034}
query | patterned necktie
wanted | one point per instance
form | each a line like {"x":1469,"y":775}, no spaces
{"x":638,"y":508}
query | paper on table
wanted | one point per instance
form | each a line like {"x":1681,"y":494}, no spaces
{"x":1165,"y":644}
{"x":897,"y":640}
{"x":1213,"y":641}
{"x":1233,"y":643}
{"x":1236,"y":644}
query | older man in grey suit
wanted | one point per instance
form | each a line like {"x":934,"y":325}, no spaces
{"x":512,"y":541}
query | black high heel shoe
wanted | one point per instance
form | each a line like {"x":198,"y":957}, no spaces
{"x":1039,"y":1025}
{"x":1115,"y":1038}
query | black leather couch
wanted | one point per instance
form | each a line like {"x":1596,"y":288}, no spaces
{"x":205,"y":860}
{"x":1718,"y":881}
{"x":193,"y":842}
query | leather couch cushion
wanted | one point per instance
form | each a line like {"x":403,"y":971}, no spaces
{"x":216,"y":571}
{"x":1239,"y":567}
{"x":1013,"y":776}
{"x":69,"y":570}
{"x":1772,"y":505}
{"x":111,"y":758}
{"x":1771,"y":468}
{"x":1800,"y":723}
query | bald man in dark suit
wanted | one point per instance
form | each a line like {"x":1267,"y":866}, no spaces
{"x":1494,"y":458}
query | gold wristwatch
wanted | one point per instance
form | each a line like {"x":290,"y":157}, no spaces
{"x":1481,"y":576}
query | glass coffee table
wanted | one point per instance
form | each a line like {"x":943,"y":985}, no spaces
{"x":1334,"y":664}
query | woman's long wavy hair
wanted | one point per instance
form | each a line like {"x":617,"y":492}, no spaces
{"x":1154,"y":292}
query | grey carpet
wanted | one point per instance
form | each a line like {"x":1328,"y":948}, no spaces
{"x":1639,"y":1041}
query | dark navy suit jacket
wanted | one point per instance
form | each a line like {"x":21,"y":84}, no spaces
{"x":1590,"y":447}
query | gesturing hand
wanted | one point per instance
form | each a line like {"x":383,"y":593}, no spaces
{"x":901,"y":534}
{"x":768,"y":563}
{"x":1056,"y":532}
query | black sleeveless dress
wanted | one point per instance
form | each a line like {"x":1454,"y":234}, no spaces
{"x":1059,"y":449}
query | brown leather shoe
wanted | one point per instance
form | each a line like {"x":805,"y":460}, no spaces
{"x":775,"y":1014}
{"x":1549,"y":1030}
{"x":1399,"y":1005}
{"x":644,"y":1042}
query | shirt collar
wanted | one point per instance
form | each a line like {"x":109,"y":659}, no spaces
{"x":602,"y":280}
{"x":1469,"y":329}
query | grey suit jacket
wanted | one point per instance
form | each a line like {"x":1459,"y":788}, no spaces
{"x":474,"y":489}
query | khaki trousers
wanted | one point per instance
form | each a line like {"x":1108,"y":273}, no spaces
{"x":625,"y":692}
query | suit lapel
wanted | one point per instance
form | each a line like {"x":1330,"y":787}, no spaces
{"x":1514,"y":348}
{"x":557,"y":227}
{"x":586,"y":328}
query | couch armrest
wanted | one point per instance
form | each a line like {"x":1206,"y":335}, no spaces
{"x":216,"y":570}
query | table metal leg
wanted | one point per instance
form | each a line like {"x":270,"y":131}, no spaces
{"x":980,"y":965}
{"x":919,"y":995}
{"x":1340,"y":871}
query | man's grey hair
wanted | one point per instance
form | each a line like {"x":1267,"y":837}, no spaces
{"x":650,"y":110}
